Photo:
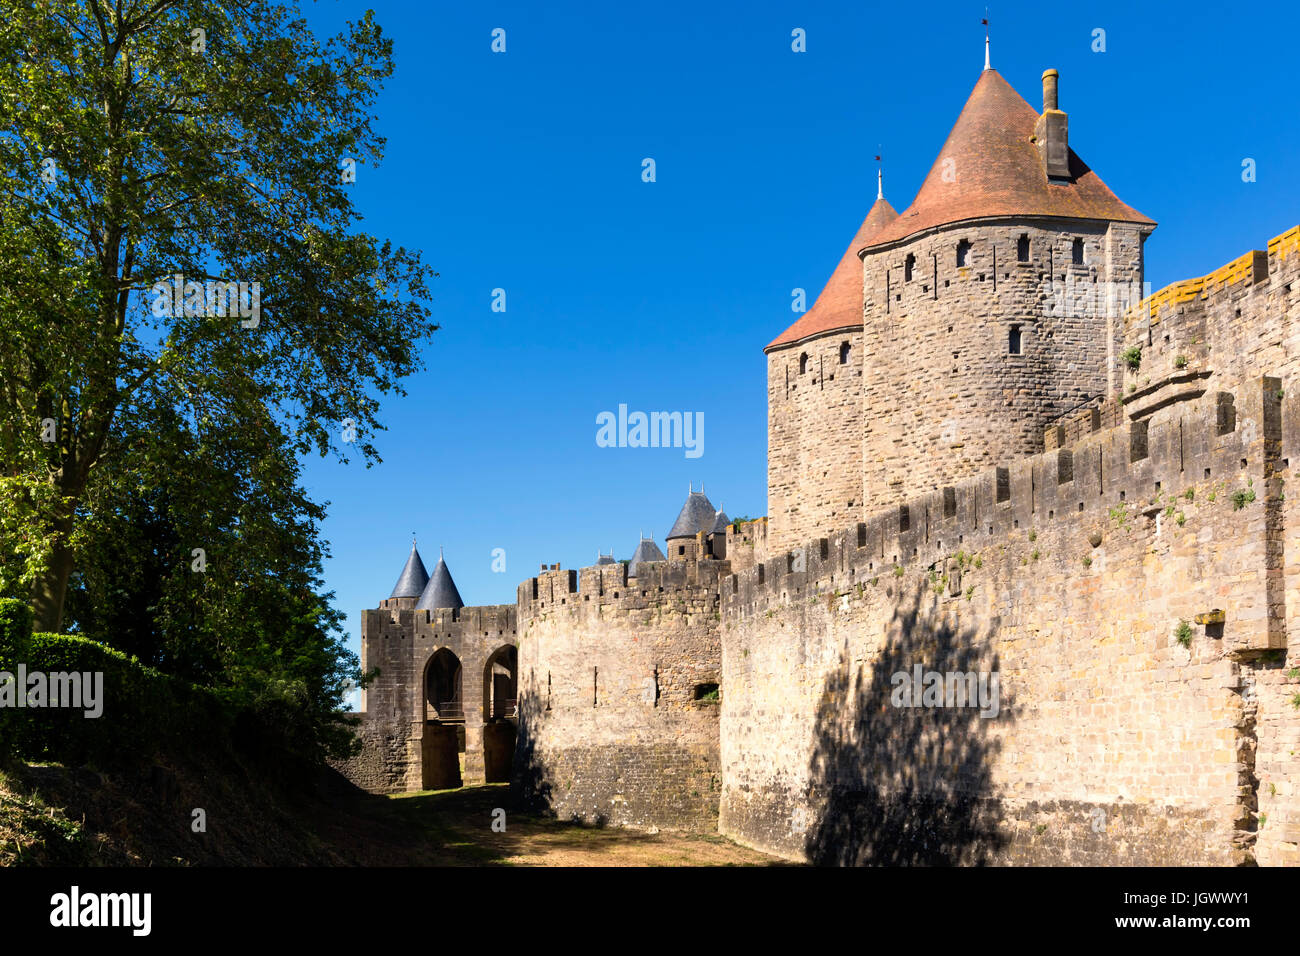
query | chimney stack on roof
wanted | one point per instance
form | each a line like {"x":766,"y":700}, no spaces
{"x":1051,"y":132}
{"x":1050,"y":79}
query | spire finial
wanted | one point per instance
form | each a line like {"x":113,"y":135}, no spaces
{"x":985,"y":21}
{"x":880,"y":179}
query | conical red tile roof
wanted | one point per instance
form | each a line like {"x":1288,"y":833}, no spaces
{"x":840,"y":304}
{"x":998,"y":173}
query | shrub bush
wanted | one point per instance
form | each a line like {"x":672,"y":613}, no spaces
{"x":143,"y":711}
{"x":15,"y":636}
{"x":15,"y":631}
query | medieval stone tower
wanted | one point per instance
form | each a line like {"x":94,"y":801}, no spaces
{"x":950,"y":334}
{"x":987,"y":459}
{"x":815,"y":401}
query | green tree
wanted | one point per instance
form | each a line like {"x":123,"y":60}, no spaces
{"x":135,"y":148}
{"x":201,"y":557}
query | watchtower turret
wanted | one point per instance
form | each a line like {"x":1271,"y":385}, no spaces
{"x":993,"y":303}
{"x":409,"y":583}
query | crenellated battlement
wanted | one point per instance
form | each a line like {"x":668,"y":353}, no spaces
{"x":1281,"y":258}
{"x":1132,"y":592}
{"x":1225,"y":438}
{"x":747,"y":543}
{"x":1098,"y":414}
{"x":1214,"y":332}
{"x":491,"y":617}
{"x":608,"y":585}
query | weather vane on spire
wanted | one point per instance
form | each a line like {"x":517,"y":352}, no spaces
{"x":880,"y":180}
{"x":985,"y":21}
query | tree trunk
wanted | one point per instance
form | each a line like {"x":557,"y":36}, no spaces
{"x":50,"y":590}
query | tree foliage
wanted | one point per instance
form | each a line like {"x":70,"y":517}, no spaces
{"x":206,"y":564}
{"x":142,"y":140}
{"x":134,"y":149}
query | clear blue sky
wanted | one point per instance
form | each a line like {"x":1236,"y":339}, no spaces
{"x":522,"y":171}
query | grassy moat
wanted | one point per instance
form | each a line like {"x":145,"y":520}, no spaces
{"x":53,"y":815}
{"x":456,"y":827}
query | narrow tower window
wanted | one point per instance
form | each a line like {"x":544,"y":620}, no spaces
{"x":844,"y":353}
{"x":907,"y":267}
{"x":1022,"y":248}
{"x":1078,"y":252}
{"x":1013,"y":341}
{"x":963,"y":248}
{"x":803,"y":363}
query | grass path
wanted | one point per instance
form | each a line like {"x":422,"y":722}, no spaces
{"x":454,"y":827}
{"x":76,"y":817}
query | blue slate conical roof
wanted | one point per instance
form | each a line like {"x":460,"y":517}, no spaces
{"x":698,"y":514}
{"x":413,"y":577}
{"x":646,"y":552}
{"x":721,"y":522}
{"x":441,"y":591}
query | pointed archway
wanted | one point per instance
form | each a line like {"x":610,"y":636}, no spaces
{"x":500,"y":712}
{"x":444,"y":701}
{"x":444,"y":723}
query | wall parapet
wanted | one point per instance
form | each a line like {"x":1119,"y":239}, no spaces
{"x":1219,"y":437}
{"x":609,"y":585}
{"x":1099,"y":414}
{"x":1249,"y":268}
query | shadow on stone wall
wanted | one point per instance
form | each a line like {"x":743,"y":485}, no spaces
{"x":529,"y":784}
{"x":906,"y":786}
